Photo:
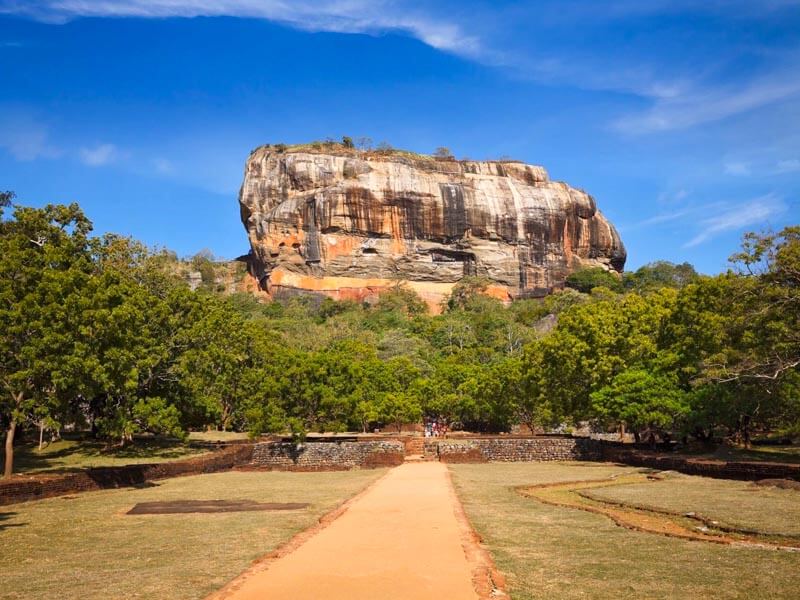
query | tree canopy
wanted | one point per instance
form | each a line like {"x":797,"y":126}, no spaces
{"x":103,"y":334}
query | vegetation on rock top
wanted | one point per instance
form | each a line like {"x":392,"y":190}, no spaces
{"x":364,"y":147}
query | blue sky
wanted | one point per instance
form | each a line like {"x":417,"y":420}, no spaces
{"x":681,"y":117}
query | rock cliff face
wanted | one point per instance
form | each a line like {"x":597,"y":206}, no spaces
{"x":348,"y":224}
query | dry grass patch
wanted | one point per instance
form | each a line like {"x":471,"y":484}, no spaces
{"x":555,"y":552}
{"x":737,"y":504}
{"x":218,"y":436}
{"x":87,"y":547}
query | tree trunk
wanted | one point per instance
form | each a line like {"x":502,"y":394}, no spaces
{"x":41,"y":435}
{"x":746,"y":432}
{"x":9,"y":466}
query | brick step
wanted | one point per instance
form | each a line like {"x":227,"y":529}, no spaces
{"x":415,"y":446}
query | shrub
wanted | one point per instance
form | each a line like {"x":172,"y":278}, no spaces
{"x":587,"y":279}
{"x":444,"y":153}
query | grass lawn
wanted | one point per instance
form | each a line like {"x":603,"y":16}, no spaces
{"x":736,"y":503}
{"x":554,"y":552}
{"x":86,"y":547}
{"x":65,"y":455}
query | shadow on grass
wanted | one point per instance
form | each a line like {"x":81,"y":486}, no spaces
{"x":775,"y":454}
{"x":76,"y":455}
{"x":5,"y":516}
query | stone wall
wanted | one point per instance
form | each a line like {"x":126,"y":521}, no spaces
{"x":328,"y":456}
{"x":750,"y":471}
{"x":522,"y":449}
{"x":21,"y":488}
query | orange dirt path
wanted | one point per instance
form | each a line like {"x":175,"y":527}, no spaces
{"x":401,"y":539}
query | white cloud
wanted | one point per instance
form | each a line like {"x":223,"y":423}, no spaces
{"x":738,"y":169}
{"x":163,"y":166}
{"x":756,"y":212}
{"x":678,"y":214}
{"x":99,"y":156}
{"x":708,"y":104}
{"x":25,"y":137}
{"x":679,"y":98}
{"x":341,"y":16}
{"x":791,"y":165}
{"x":672,"y":197}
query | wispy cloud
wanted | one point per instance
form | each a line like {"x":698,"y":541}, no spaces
{"x":710,"y":103}
{"x":762,"y":163}
{"x":163,"y":166}
{"x":26,"y":137}
{"x":756,"y":212}
{"x":341,"y":16}
{"x":791,"y":165}
{"x":622,"y":9}
{"x":671,"y":197}
{"x":738,"y":169}
{"x":100,"y":155}
{"x":677,"y":214}
{"x":679,"y":97}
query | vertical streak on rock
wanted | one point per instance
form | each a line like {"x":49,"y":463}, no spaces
{"x":311,"y":227}
{"x":455,"y":216}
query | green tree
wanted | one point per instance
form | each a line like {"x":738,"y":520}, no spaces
{"x":594,"y":342}
{"x":120,"y":356}
{"x":399,"y":408}
{"x":44,"y":254}
{"x":586,"y":280}
{"x":640,"y":398}
{"x":203,"y":262}
{"x":466,"y":290}
{"x":769,"y":297}
{"x":444,"y":153}
{"x":660,"y":274}
{"x":222,"y":366}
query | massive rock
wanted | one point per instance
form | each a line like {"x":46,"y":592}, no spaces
{"x":348,"y":224}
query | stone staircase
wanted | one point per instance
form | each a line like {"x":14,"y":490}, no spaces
{"x":415,"y":449}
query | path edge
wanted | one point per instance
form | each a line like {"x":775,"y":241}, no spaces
{"x":293,"y":543}
{"x":487,"y":580}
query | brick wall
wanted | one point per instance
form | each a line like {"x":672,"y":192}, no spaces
{"x":328,"y":456}
{"x":22,"y":488}
{"x":751,"y":471}
{"x":513,"y":449}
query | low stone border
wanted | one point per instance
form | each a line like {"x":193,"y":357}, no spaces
{"x":720,"y":469}
{"x":518,"y":449}
{"x":22,"y":488}
{"x":328,"y":456}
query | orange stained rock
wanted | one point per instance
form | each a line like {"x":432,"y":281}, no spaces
{"x":356,"y":288}
{"x":399,"y":540}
